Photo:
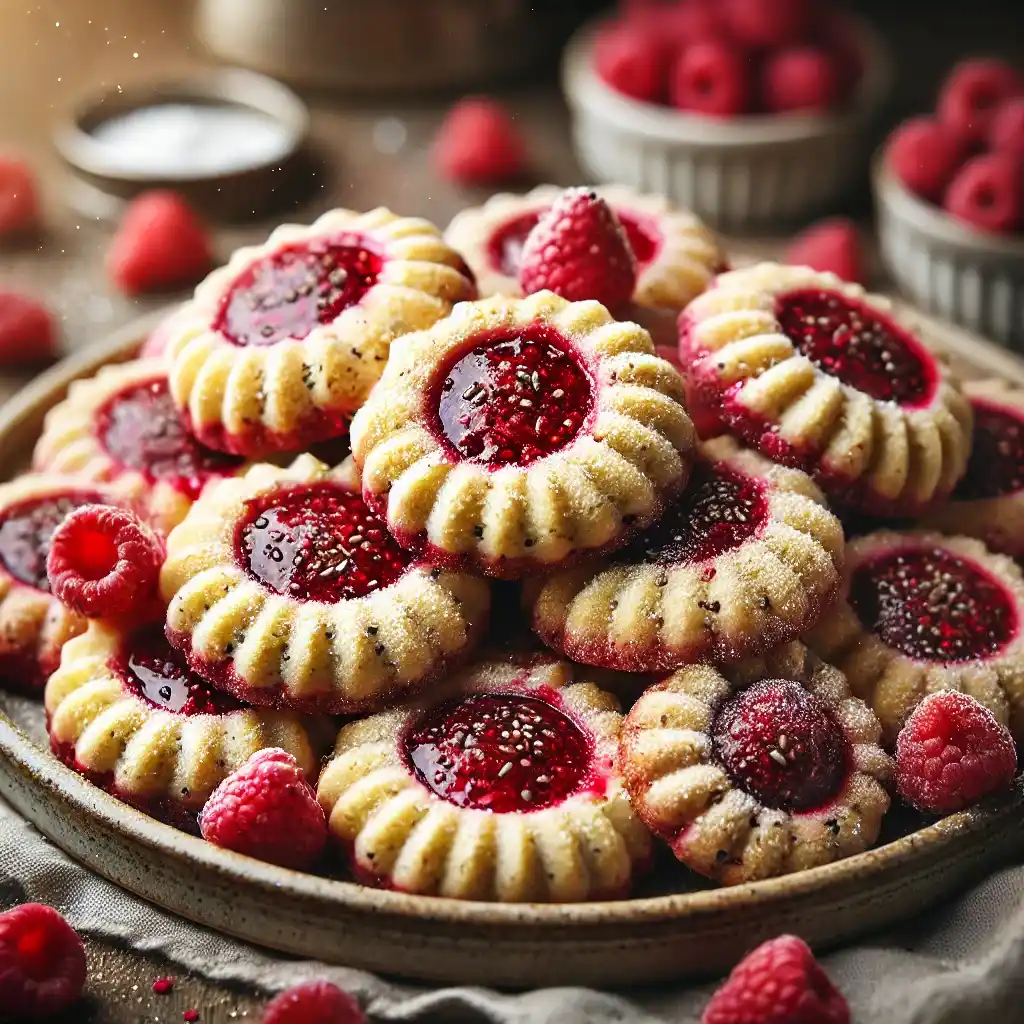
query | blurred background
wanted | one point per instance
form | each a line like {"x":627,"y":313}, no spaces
{"x":376,"y":80}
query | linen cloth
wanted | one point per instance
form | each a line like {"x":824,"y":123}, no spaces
{"x":964,"y":962}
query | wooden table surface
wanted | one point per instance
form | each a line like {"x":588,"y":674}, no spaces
{"x":54,"y":52}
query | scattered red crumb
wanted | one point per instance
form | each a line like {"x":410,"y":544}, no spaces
{"x":163,"y":986}
{"x":161,"y":245}
{"x":478,"y":144}
{"x":28,"y":332}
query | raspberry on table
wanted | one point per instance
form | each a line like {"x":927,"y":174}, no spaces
{"x":478,"y":144}
{"x":267,"y":810}
{"x":832,"y":245}
{"x":711,"y":78}
{"x":986,"y":193}
{"x":634,"y":60}
{"x":952,"y":752}
{"x":42,"y":963}
{"x":160,"y":245}
{"x":924,"y":154}
{"x":28,"y":333}
{"x":104,"y":562}
{"x":780,"y":982}
{"x":579,"y":250}
{"x":19,"y":201}
{"x":314,"y":1002}
{"x":972,"y":93}
{"x":802,"y":78}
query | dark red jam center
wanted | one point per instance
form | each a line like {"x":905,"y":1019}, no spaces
{"x":933,"y":606}
{"x":506,"y":244}
{"x":503,"y":752}
{"x":25,"y":532}
{"x":855,"y":344}
{"x":514,"y":398}
{"x":141,"y":430}
{"x":996,"y":466}
{"x":718,"y":512}
{"x":154,"y":671}
{"x":290,"y":292}
{"x":318,"y":543}
{"x":782,"y":745}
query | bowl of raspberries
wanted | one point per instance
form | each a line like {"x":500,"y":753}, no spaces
{"x":752,"y":113}
{"x":949,"y":188}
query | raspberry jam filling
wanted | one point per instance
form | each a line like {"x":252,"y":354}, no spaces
{"x":505,"y":249}
{"x":857,"y":345}
{"x":151,"y":669}
{"x":25,"y":532}
{"x":782,"y":745}
{"x":514,"y":398}
{"x":318,"y":543}
{"x":996,"y":466}
{"x":140,"y":429}
{"x":719,"y":511}
{"x":295,"y":289}
{"x":933,"y":606}
{"x":502,"y":752}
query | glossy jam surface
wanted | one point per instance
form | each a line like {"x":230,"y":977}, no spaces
{"x":318,"y":543}
{"x":514,"y":398}
{"x":25,"y":532}
{"x":140,"y":429}
{"x":151,"y":669}
{"x":298,"y":287}
{"x":505,"y":249}
{"x":932,"y":605}
{"x":996,"y":466}
{"x":502,"y":752}
{"x":857,"y":345}
{"x":719,"y":510}
{"x":782,"y":745}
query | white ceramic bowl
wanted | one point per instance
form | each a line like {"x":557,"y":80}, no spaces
{"x":948,"y":268}
{"x":738,"y":173}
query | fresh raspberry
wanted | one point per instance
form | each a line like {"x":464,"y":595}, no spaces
{"x":952,"y":752}
{"x":765,"y":24}
{"x":924,"y":154}
{"x":634,"y":61}
{"x":780,"y":982}
{"x":19,"y":201}
{"x":268,"y":810}
{"x":838,"y":35}
{"x":42,"y":963}
{"x":315,"y":1002}
{"x":1007,"y":132}
{"x":972,"y":93}
{"x":28,"y":333}
{"x":986,"y":193}
{"x":478,"y":144}
{"x":832,"y":245}
{"x":681,"y":24}
{"x":579,"y":250}
{"x":160,"y":245}
{"x":104,"y":562}
{"x":804,"y":78}
{"x":711,"y":78}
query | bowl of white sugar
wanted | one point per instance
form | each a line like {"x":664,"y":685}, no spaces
{"x":229,"y":140}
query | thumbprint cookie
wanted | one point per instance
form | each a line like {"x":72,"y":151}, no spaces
{"x":520,"y":434}
{"x":279,"y":347}
{"x":284,"y":588}
{"x":759,"y":770}
{"x":919,"y":612}
{"x":815,"y":373}
{"x":121,"y":427}
{"x":501,"y":786}
{"x":125,"y":712}
{"x":747,"y":558}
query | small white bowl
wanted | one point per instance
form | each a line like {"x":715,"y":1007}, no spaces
{"x":948,"y":268}
{"x":737,"y":173}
